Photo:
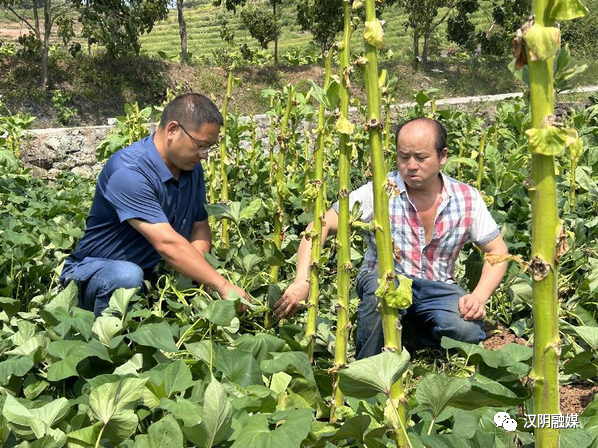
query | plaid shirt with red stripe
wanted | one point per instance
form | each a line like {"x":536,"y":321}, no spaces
{"x":461,"y":215}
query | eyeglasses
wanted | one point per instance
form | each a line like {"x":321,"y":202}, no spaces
{"x":202,"y":148}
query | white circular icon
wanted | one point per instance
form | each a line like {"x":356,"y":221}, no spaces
{"x":509,"y":424}
{"x":500,"y":417}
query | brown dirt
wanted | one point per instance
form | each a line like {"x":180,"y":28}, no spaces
{"x":13,"y":33}
{"x":498,"y":336}
{"x":574,"y":397}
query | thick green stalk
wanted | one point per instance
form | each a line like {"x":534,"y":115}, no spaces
{"x":256,"y":149}
{"x":225,"y":241}
{"x":481,"y":160}
{"x":271,"y":141}
{"x":572,"y":184}
{"x":545,"y":225}
{"x":292,"y":150}
{"x":343,"y":238}
{"x":391,"y":324}
{"x":574,"y":159}
{"x":279,"y":215}
{"x":316,"y":235}
{"x":212,"y":195}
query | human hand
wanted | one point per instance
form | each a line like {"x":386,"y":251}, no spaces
{"x":472,"y":307}
{"x":292,"y":300}
{"x":229,"y":288}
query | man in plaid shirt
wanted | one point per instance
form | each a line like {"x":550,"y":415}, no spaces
{"x":431,"y":218}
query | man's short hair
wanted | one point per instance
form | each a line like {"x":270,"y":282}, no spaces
{"x":191,"y":110}
{"x":438,"y":127}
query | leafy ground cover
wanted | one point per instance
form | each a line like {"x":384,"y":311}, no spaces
{"x":175,"y":367}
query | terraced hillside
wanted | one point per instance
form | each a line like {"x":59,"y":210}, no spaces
{"x":203,"y":31}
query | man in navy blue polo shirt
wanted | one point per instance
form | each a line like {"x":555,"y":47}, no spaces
{"x":149,"y":204}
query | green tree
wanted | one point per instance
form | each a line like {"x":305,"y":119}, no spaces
{"x":261,"y":25}
{"x":506,"y":17}
{"x":117,"y":24}
{"x":581,"y":34}
{"x":459,"y":28}
{"x":323,"y":19}
{"x":53,"y":10}
{"x":423,"y":17}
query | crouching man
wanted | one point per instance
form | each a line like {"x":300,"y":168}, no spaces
{"x":149,"y":204}
{"x":431,"y":218}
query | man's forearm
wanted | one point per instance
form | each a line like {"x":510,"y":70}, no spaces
{"x":201,"y":246}
{"x":490,"y":279}
{"x":303,"y":259}
{"x":187,"y":258}
{"x":304,"y":254}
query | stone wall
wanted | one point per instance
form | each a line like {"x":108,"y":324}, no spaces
{"x":49,"y":152}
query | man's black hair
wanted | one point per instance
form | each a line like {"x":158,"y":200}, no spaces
{"x":438,"y":126}
{"x":191,"y":110}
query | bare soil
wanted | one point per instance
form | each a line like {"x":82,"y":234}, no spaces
{"x":574,"y":397}
{"x":12,"y":33}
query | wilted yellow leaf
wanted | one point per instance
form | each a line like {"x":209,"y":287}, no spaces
{"x":373,"y":34}
{"x":542,"y":42}
{"x":344,"y":126}
{"x":550,"y":140}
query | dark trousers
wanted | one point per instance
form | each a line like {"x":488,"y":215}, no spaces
{"x":435,"y":313}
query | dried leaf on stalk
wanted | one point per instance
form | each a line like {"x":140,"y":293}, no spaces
{"x":494,"y":259}
{"x":562,"y":244}
{"x":542,"y":42}
{"x":373,"y":34}
{"x":396,"y":252}
{"x":568,"y":10}
{"x":550,"y":140}
{"x":539,"y":269}
{"x":518,"y":51}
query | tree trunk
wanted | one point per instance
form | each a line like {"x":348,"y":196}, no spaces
{"x":36,"y":20}
{"x":426,"y":45}
{"x":183,"y":32}
{"x":46,"y":46}
{"x":276,"y":36}
{"x":415,"y":49}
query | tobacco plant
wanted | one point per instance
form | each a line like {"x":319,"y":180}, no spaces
{"x":281,"y":188}
{"x":381,"y":224}
{"x":224,"y":238}
{"x":317,"y":184}
{"x":536,"y":45}
{"x":344,"y":265}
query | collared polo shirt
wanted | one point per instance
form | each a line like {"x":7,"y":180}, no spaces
{"x":136,"y":184}
{"x":461,"y":215}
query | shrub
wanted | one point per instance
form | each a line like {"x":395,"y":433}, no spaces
{"x":580,"y":34}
